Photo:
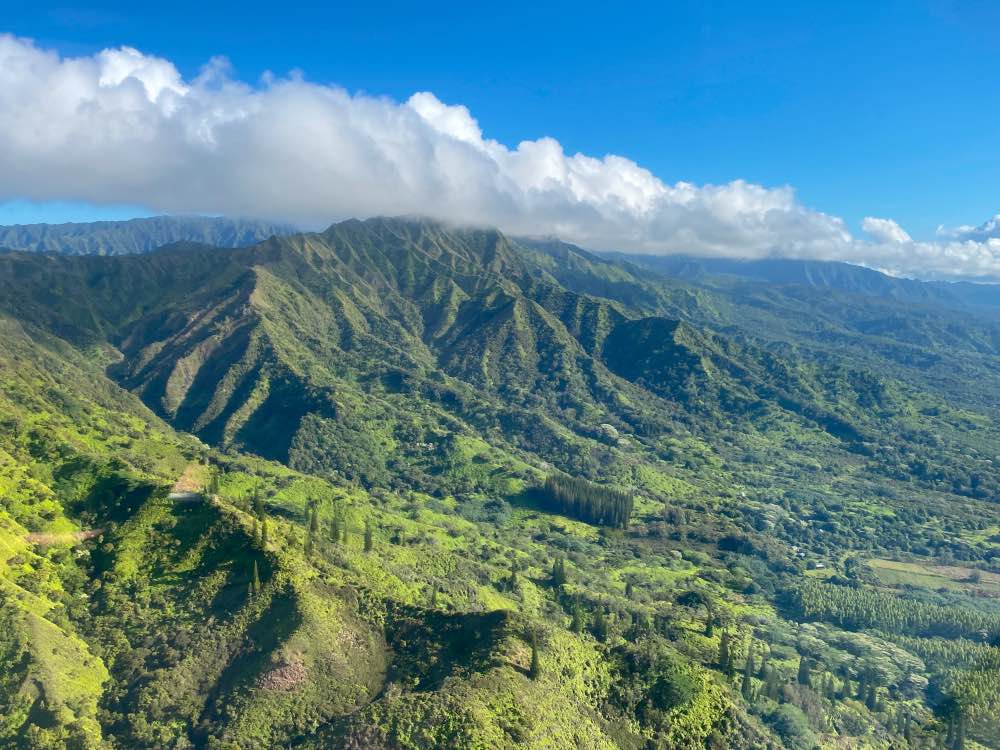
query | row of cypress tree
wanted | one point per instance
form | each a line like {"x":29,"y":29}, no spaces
{"x":586,"y":501}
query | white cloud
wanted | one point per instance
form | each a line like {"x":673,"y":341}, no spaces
{"x":989,"y":230}
{"x":125,"y":127}
{"x":885,"y":230}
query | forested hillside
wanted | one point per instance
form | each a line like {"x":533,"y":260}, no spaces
{"x":404,"y":485}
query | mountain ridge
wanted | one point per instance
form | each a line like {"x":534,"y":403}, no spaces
{"x":140,"y":235}
{"x":818,"y":274}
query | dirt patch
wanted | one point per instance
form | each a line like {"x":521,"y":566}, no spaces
{"x":46,"y":539}
{"x":968,"y":575}
{"x":930,"y":576}
{"x":192,"y":480}
{"x":286,"y":676}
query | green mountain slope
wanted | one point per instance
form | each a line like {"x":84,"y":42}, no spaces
{"x":386,"y":398}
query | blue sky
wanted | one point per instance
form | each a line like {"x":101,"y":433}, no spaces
{"x":883,"y":108}
{"x":833,"y":130}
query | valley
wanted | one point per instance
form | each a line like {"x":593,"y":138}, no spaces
{"x":400,"y":484}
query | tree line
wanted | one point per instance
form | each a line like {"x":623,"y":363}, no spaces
{"x":857,"y":609}
{"x":586,"y":501}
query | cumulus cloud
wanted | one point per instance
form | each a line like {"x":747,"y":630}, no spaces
{"x":125,"y":127}
{"x":885,"y":230}
{"x":989,"y":230}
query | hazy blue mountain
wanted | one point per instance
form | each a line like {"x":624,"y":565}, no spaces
{"x":137,"y":235}
{"x":832,"y":275}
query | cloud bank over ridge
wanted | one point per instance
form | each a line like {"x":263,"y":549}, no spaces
{"x":124,"y":127}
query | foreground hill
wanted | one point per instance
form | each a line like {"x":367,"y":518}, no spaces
{"x":467,"y":491}
{"x":136,"y":235}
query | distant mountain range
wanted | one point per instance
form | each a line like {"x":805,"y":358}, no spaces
{"x":831,"y":275}
{"x":137,"y":235}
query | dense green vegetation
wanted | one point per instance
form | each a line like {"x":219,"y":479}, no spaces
{"x":439,"y":488}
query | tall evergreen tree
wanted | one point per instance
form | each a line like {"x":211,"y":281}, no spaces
{"x":725,"y":653}
{"x":335,"y":529}
{"x":804,"y":676}
{"x":512,"y":579}
{"x":535,"y":671}
{"x":871,"y":698}
{"x":600,"y":625}
{"x":960,"y":712}
{"x":559,"y":572}
{"x":255,"y":580}
{"x":773,"y":684}
{"x":311,"y":531}
{"x":829,"y":687}
{"x":747,"y":687}
{"x":369,"y":539}
{"x":212,"y":486}
{"x":576,"y":625}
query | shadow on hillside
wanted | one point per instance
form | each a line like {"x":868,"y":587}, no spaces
{"x":246,"y":664}
{"x":430,"y":646}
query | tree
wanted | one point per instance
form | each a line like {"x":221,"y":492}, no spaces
{"x":434,"y":596}
{"x":628,"y":589}
{"x":369,"y":541}
{"x":871,"y":699}
{"x":804,"y":677}
{"x":725,"y":653}
{"x":535,"y":671}
{"x":747,"y":687}
{"x":263,"y":532}
{"x":829,"y":687}
{"x":600,"y":625}
{"x":335,"y":530}
{"x":772,"y":684}
{"x":311,"y":533}
{"x":212,"y":485}
{"x":559,"y":572}
{"x":762,"y":673}
{"x":576,"y":625}
{"x":255,"y":580}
